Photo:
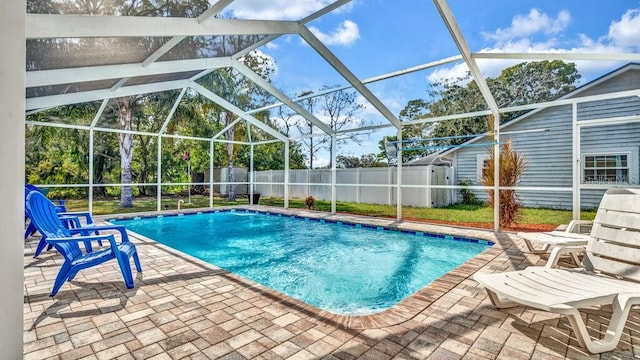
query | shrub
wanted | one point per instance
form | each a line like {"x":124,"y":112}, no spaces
{"x":468,"y":197}
{"x":310,"y":202}
{"x":512,"y":165}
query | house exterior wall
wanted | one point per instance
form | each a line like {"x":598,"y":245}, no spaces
{"x":549,"y":153}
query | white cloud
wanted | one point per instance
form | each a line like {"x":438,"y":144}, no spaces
{"x":266,"y":61}
{"x":346,"y":33}
{"x":275,"y":9}
{"x":622,"y":36}
{"x":530,"y":24}
{"x":626,"y":32}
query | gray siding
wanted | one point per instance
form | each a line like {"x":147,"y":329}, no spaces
{"x":549,"y":153}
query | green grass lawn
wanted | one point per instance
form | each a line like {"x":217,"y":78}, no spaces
{"x":454,"y":213}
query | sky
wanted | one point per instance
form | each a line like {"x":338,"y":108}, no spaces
{"x":375,"y":37}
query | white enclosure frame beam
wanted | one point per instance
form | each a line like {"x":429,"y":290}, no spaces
{"x":211,"y":174}
{"x":163,"y":128}
{"x":286,"y":173}
{"x":104,"y":72}
{"x":234,"y":109}
{"x":94,"y":122}
{"x":630,"y":57}
{"x":343,"y":70}
{"x":81,"y":97}
{"x":399,"y":178}
{"x":334,"y":175}
{"x":575,"y":147}
{"x":463,"y":47}
{"x":367,"y":81}
{"x":226,"y":128}
{"x":251,"y":148}
{"x":166,"y":47}
{"x":47,"y":26}
{"x":251,"y":75}
{"x":306,"y":20}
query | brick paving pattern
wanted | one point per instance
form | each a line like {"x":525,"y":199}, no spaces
{"x":182,"y":308}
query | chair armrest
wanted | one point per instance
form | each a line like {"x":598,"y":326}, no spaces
{"x":575,"y":226}
{"x":121,"y":229}
{"x":109,"y":237}
{"x":558,"y":251}
{"x":85,"y":214}
{"x":75,"y":219}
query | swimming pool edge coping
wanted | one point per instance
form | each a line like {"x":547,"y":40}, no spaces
{"x":403,"y":311}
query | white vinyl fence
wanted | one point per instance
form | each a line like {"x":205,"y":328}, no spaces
{"x":363,"y":185}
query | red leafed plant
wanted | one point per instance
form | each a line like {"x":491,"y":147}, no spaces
{"x":512,"y":165}
{"x":310,"y":202}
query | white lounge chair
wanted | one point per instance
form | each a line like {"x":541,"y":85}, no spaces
{"x":575,"y":234}
{"x":609,"y":273}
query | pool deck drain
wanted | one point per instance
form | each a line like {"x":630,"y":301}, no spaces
{"x":182,"y":307}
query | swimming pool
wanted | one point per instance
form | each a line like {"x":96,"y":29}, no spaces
{"x":348,"y":269}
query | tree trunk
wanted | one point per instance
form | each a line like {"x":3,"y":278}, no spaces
{"x":125,"y":142}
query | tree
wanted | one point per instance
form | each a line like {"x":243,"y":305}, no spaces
{"x":364,"y":161}
{"x":237,"y":89}
{"x":338,"y":109}
{"x":511,"y":166}
{"x":525,"y":83}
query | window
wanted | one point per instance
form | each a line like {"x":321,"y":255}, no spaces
{"x":606,"y":168}
{"x":481,"y":164}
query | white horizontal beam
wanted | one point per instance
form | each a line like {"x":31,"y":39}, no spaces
{"x":213,"y":10}
{"x":47,"y":26}
{"x":541,"y":105}
{"x":365,"y":128}
{"x":166,"y":47}
{"x":306,"y":20}
{"x":463,"y":47}
{"x":86,"y":96}
{"x":236,"y":110}
{"x":226,"y":128}
{"x":367,"y":81}
{"x":112,"y":130}
{"x":95,"y":73}
{"x":343,"y":70}
{"x":232,"y":142}
{"x":257,"y":79}
{"x":560,"y":56}
{"x":265,"y":142}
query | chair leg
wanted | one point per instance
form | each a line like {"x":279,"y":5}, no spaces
{"x":31,"y":229}
{"x":41,"y":245}
{"x":621,"y":307}
{"x":500,"y":303}
{"x":532,"y":249}
{"x":136,"y":260}
{"x":125,"y":269}
{"x":61,"y":278}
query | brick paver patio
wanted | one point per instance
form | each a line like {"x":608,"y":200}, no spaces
{"x":182,"y":308}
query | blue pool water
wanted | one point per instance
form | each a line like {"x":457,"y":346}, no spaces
{"x":341,"y":268}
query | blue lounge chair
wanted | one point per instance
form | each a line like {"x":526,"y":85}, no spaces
{"x":69,"y":220}
{"x":60,"y":205}
{"x":43,"y":214}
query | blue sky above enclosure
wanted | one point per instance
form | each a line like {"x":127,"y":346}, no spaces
{"x":376,"y":37}
{"x":369,"y":37}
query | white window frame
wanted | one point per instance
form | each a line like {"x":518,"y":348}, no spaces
{"x":632,"y":177}
{"x":480,"y":159}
